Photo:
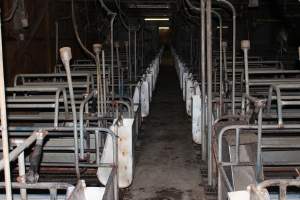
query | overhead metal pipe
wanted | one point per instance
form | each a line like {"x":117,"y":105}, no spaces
{"x":4,"y":132}
{"x":230,"y":5}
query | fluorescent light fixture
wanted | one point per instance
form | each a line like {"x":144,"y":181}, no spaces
{"x":224,"y":27}
{"x":163,"y":28}
{"x":156,"y":19}
{"x":150,"y":6}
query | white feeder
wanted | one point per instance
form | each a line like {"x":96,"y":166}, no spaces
{"x":124,"y":132}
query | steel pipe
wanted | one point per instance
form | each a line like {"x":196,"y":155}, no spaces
{"x":245,"y":46}
{"x":221,"y":61}
{"x":203,"y":82}
{"x":66,"y":56}
{"x":105,"y":85}
{"x":4,"y":131}
{"x":22,"y":172}
{"x":18,"y":150}
{"x":230,"y":5}
{"x":97,"y":50}
{"x":209,"y":91}
{"x":224,"y":47}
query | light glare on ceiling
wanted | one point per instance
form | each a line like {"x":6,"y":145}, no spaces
{"x":163,"y":28}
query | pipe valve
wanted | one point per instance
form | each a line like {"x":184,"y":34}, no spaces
{"x":245,"y":44}
{"x":65,"y":54}
{"x":97,"y":48}
{"x":224,"y":44}
{"x":126,"y":43}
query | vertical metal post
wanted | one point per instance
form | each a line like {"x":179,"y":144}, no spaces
{"x":117,"y":45}
{"x":21,"y":166}
{"x":97,"y":49}
{"x":115,"y":160}
{"x":104,"y":81}
{"x":129,"y":55}
{"x":259,"y":142}
{"x":245,"y":46}
{"x":221,"y":66}
{"x":130,"y":60}
{"x":191,"y":49}
{"x":56,"y":41}
{"x":203,"y":82}
{"x":135,"y":61}
{"x":233,"y":57}
{"x":225,"y":65}
{"x":233,"y":50}
{"x":112,"y":53}
{"x":209,"y":89}
{"x":220,"y":61}
{"x":4,"y":131}
{"x":142,"y":49}
{"x":97,"y":144}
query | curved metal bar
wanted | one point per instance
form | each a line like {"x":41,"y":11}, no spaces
{"x":230,"y":5}
{"x":113,"y":16}
{"x":279,"y":103}
{"x":81,"y":111}
{"x":12,"y":12}
{"x":66,"y":56}
{"x":76,"y":31}
{"x":192,"y":6}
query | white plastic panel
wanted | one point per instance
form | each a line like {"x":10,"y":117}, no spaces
{"x":184,"y":77}
{"x":189,"y":93}
{"x":125,"y":154}
{"x":145,"y":99}
{"x":85,"y":193}
{"x":149,"y":80}
{"x":196,"y":115}
{"x":239,"y":195}
{"x":136,"y":97}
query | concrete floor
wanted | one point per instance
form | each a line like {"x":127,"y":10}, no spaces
{"x":166,"y":163}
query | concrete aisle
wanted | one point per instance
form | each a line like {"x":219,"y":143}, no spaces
{"x":166,"y":165}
